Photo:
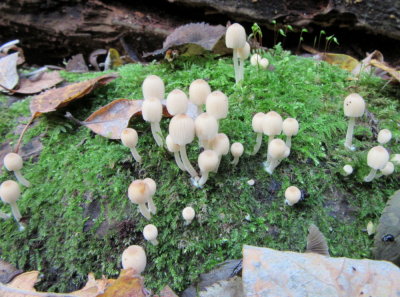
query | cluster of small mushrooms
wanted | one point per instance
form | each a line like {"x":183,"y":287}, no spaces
{"x":183,"y":129}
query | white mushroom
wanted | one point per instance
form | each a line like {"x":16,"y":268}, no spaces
{"x":150,"y":233}
{"x":290,"y":128}
{"x":198,"y":92}
{"x":277,"y":150}
{"x":208,"y":161}
{"x":237,"y":150}
{"x":257,"y":124}
{"x":354,"y":107}
{"x":188,"y":214}
{"x":235,"y":38}
{"x":152,"y":187}
{"x":177,"y":102}
{"x":348,"y":169}
{"x":174,"y":148}
{"x":13,"y":162}
{"x":139,"y":193}
{"x":129,"y":138}
{"x":153,"y":86}
{"x":292,"y":195}
{"x":384,"y":136}
{"x":152,"y":112}
{"x":134,"y":258}
{"x":377,"y":159}
{"x":217,"y":105}
{"x":10,"y":193}
{"x":206,"y":127}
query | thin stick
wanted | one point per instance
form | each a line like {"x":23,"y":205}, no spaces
{"x":22,"y":134}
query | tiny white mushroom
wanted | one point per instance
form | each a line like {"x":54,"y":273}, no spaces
{"x":290,"y":127}
{"x":138,"y":193}
{"x":292,"y":195}
{"x":198,"y":92}
{"x":134,"y":257}
{"x":153,"y":86}
{"x":13,"y":162}
{"x":10,"y":193}
{"x":129,"y":138}
{"x":277,"y":150}
{"x":354,"y":107}
{"x":206,"y":127}
{"x":217,"y":105}
{"x":255,"y":59}
{"x":243,"y":54}
{"x":188,"y":214}
{"x":208,"y":161}
{"x":257,"y":124}
{"x":388,"y":169}
{"x":272,"y":126}
{"x":150,"y":233}
{"x":152,"y":112}
{"x":384,"y":136}
{"x":220,"y":144}
{"x":377,"y":159}
{"x":348,"y":169}
{"x":177,"y":102}
{"x":152,"y":187}
{"x":174,"y":148}
{"x":235,"y":38}
{"x":237,"y":150}
{"x":370,"y":228}
{"x":264,"y":63}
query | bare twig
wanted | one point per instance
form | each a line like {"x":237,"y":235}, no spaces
{"x":22,"y":134}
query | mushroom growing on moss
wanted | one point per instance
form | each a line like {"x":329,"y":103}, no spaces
{"x":354,"y":107}
{"x":237,"y":150}
{"x":188,"y":214}
{"x":10,"y":193}
{"x":206,"y":127}
{"x":150,"y":233}
{"x":264,"y":63}
{"x":13,"y":162}
{"x":217,"y":105}
{"x":220,"y":144}
{"x":177,"y":102}
{"x":257,"y":124}
{"x":134,"y":257}
{"x":129,"y":138}
{"x":347,"y":169}
{"x":235,"y":38}
{"x":377,"y":159}
{"x":255,"y":59}
{"x":152,"y":112}
{"x":292,"y":195}
{"x":384,"y":136}
{"x":290,"y":127}
{"x":388,"y":169}
{"x":243,"y":54}
{"x":174,"y":148}
{"x":198,"y":92}
{"x":208,"y":161}
{"x":152,"y":187}
{"x":153,"y":86}
{"x":277,"y":150}
{"x":139,"y":193}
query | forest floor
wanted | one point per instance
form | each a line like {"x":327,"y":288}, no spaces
{"x":77,"y":214}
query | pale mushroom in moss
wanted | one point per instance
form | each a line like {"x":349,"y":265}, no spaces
{"x":182,"y":131}
{"x":152,"y":112}
{"x":206,"y":127}
{"x":13,"y":162}
{"x":208,"y":162}
{"x":152,"y":187}
{"x":354,"y":107}
{"x":347,"y":169}
{"x":150,"y":233}
{"x":272,"y":126}
{"x":277,"y":150}
{"x":153,"y":86}
{"x":188,"y":215}
{"x":217,"y":105}
{"x":290,"y":127}
{"x":129,"y":138}
{"x":235,"y":38}
{"x":10,"y":193}
{"x":139,"y":193}
{"x":384,"y":136}
{"x":388,"y":169}
{"x":177,"y":102}
{"x":264,"y":63}
{"x":220,"y":144}
{"x":292,"y":195}
{"x":257,"y":124}
{"x":198,"y":92}
{"x":237,"y":150}
{"x":134,"y":257}
{"x":243,"y":54}
{"x":174,"y":148}
{"x":377,"y":159}
{"x":255,"y":59}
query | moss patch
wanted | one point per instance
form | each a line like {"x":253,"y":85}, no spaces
{"x":80,"y":220}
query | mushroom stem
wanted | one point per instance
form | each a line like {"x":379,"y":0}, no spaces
{"x":271,"y":166}
{"x":349,"y":134}
{"x":15,"y":211}
{"x":235,"y":161}
{"x":136,"y":155}
{"x":144,"y":211}
{"x":152,"y":206}
{"x":236,"y":65}
{"x":219,"y":162}
{"x":154,"y":241}
{"x":258,"y":143}
{"x":270,"y":138}
{"x":156,"y":131}
{"x":288,"y":141}
{"x":179,"y":161}
{"x":203,"y":179}
{"x":22,"y":179}
{"x":4,"y":216}
{"x":370,"y":176}
{"x":186,"y":162}
{"x":241,"y":69}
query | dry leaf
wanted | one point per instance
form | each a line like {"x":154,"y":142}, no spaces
{"x":46,"y":81}
{"x":167,"y":292}
{"x":7,"y":272}
{"x":8,"y":72}
{"x":364,"y":65}
{"x":77,"y":64}
{"x":194,"y":39}
{"x":110,"y":120}
{"x":343,"y":61}
{"x":56,"y":98}
{"x":127,"y":285}
{"x":381,"y":65}
{"x":25,"y":281}
{"x":93,"y":287}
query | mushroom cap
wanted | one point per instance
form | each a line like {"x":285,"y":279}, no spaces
{"x":151,"y":184}
{"x":171,"y":146}
{"x":377,"y":157}
{"x":9,"y":191}
{"x":244,"y":52}
{"x":217,"y":105}
{"x":272,"y":124}
{"x":237,"y":149}
{"x":153,"y":86}
{"x":396,"y":159}
{"x":384,"y":136}
{"x":220,"y":144}
{"x":177,"y":102}
{"x":152,"y":110}
{"x":13,"y":162}
{"x":277,"y":148}
{"x":388,"y":169}
{"x":188,"y":213}
{"x":290,"y":127}
{"x":348,"y":169}
{"x":257,"y":122}
{"x":150,"y":232}
{"x":264,"y":63}
{"x":206,"y":126}
{"x":292,"y":195}
{"x":208,"y":161}
{"x":181,"y":129}
{"x":134,"y":257}
{"x":139,"y":191}
{"x":255,"y":59}
{"x":129,"y":137}
{"x":235,"y":36}
{"x":354,"y":106}
{"x":198,"y":91}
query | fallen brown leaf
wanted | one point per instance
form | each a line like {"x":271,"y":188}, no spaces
{"x":56,"y":98}
{"x":127,"y":285}
{"x":7,"y":272}
{"x":381,"y":65}
{"x":46,"y":81}
{"x":77,"y":64}
{"x":25,"y":281}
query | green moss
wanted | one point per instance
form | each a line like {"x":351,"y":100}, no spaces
{"x":80,"y":220}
